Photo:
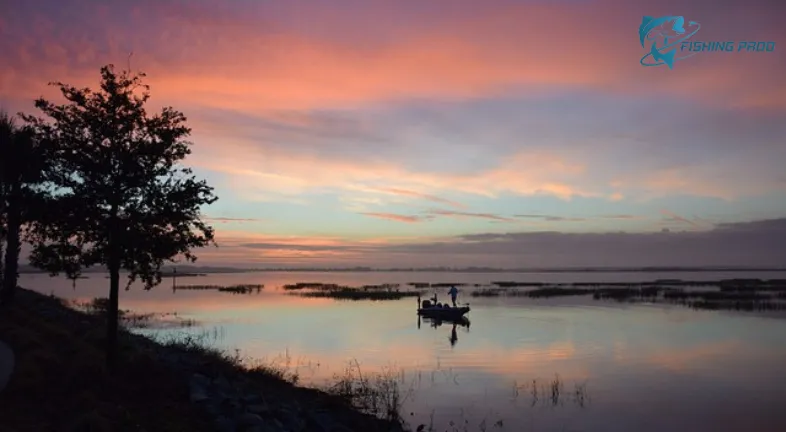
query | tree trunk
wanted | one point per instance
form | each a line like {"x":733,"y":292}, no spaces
{"x":114,"y":294}
{"x":2,"y":243}
{"x":112,"y":313}
{"x":13,"y":245}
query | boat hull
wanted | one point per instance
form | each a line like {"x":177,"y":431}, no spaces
{"x":444,"y":313}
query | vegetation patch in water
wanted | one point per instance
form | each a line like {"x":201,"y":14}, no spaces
{"x":134,"y":320}
{"x":556,"y":291}
{"x":349,"y":293}
{"x":234,"y":289}
{"x":488,"y":292}
{"x":509,"y":284}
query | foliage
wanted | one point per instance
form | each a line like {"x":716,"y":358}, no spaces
{"x":118,"y":182}
{"x":23,"y":166}
{"x":116,"y":194}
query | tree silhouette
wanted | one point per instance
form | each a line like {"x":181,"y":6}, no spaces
{"x":22,"y":170}
{"x":118,"y":195}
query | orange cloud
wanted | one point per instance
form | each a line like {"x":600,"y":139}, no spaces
{"x":428,"y":197}
{"x":397,"y":217}
{"x":255,"y":172}
{"x":472,"y":215}
{"x":490,"y":52}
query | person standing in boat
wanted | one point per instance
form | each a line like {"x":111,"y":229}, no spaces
{"x":453,"y":293}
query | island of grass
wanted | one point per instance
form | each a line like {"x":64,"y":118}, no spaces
{"x":341,"y":292}
{"x":234,"y":289}
{"x":60,"y":382}
{"x":729,"y":294}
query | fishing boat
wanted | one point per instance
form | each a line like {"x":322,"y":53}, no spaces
{"x":435,"y":322}
{"x":433,"y":309}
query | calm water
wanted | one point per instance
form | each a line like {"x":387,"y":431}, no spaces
{"x":622,"y":367}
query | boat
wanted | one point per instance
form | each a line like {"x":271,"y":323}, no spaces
{"x":435,"y":322}
{"x":433,"y":309}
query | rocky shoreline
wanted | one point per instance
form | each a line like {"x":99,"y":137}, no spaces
{"x":232,"y":397}
{"x":241,"y":403}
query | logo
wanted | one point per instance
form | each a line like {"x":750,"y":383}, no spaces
{"x":671,"y":31}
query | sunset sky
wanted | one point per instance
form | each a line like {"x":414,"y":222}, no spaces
{"x":507,"y":133}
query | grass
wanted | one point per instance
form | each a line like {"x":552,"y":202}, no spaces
{"x":552,"y":392}
{"x":98,"y":306}
{"x":730,"y":294}
{"x":341,"y":292}
{"x":234,"y":289}
{"x":348,"y":293}
{"x":556,"y":291}
{"x":60,"y":382}
{"x":377,"y":394}
{"x":357,"y":400}
{"x":488,"y":292}
{"x":510,"y":284}
{"x":437,"y":284}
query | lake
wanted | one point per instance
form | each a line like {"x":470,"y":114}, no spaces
{"x":556,"y":364}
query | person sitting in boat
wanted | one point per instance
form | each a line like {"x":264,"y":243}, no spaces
{"x":453,"y":293}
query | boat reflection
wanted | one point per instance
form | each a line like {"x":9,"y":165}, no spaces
{"x":454,"y":322}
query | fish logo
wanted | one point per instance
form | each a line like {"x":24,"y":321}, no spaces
{"x":672,"y":31}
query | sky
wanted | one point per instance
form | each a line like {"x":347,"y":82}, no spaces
{"x":504,"y":133}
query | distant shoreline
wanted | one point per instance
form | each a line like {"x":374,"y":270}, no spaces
{"x":198,"y":271}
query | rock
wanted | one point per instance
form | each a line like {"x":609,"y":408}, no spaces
{"x":222,"y":384}
{"x":266,"y":428}
{"x":198,"y":395}
{"x":322,"y":420}
{"x":200,"y":379}
{"x":211,"y":409}
{"x":224,"y":424}
{"x":228,"y":404}
{"x":252,"y":399}
{"x":257,"y":409}
{"x":249,"y":420}
{"x":292,"y":420}
{"x":198,"y":388}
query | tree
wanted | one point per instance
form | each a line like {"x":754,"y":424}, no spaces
{"x":118,"y":195}
{"x":22,"y":170}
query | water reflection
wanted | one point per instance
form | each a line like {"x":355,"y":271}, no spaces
{"x":453,"y":322}
{"x":641,"y":360}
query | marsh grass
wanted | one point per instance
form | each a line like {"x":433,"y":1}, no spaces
{"x":309,"y":285}
{"x":378,"y":394}
{"x":132,"y":320}
{"x":341,"y":292}
{"x":488,"y":292}
{"x":552,"y":392}
{"x":201,"y":345}
{"x":347,"y":293}
{"x":511,"y":284}
{"x":233,"y":289}
{"x":731,"y":294}
{"x":555,"y":292}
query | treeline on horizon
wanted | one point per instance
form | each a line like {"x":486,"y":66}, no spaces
{"x":170,"y":270}
{"x":98,"y":182}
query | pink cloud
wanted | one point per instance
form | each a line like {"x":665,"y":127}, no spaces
{"x":398,"y":217}
{"x":428,"y":197}
{"x":472,"y":215}
{"x":490,"y":51}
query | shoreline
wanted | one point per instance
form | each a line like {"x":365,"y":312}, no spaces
{"x":201,"y":272}
{"x":200,"y":388}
